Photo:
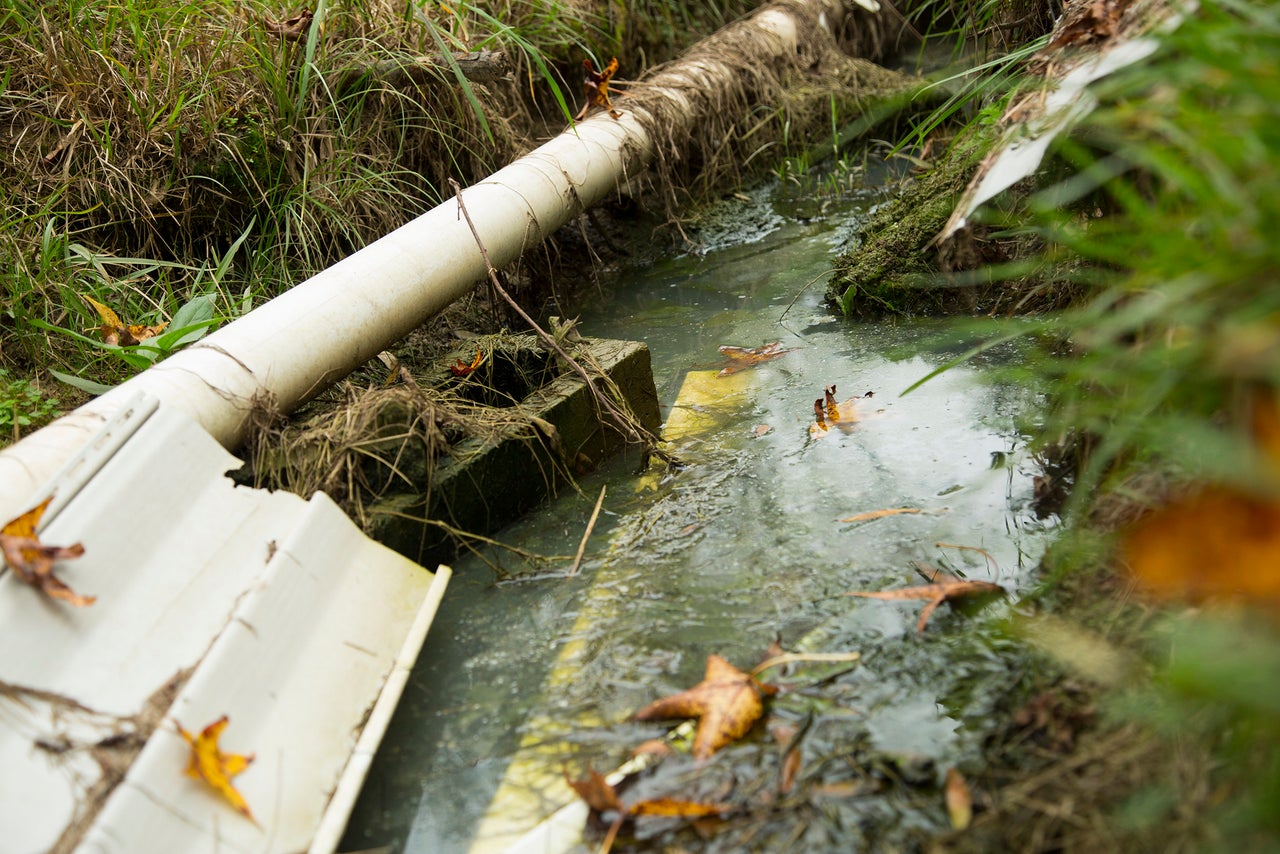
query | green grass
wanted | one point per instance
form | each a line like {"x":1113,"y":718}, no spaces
{"x":1160,"y":214}
{"x":144,"y":140}
{"x":1168,"y":218}
{"x":23,"y":406}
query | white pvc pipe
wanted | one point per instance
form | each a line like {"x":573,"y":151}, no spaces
{"x":319,"y":331}
{"x":297,"y":344}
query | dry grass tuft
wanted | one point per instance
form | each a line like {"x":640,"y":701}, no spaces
{"x":707,"y":136}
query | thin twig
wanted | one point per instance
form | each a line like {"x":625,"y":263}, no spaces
{"x":591,"y":525}
{"x":980,"y":551}
{"x":799,"y":294}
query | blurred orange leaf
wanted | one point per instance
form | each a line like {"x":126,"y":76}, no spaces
{"x":741,"y":358}
{"x":32,"y":561}
{"x":216,"y":768}
{"x":676,"y":808}
{"x":727,"y":702}
{"x":959,"y":800}
{"x":1218,"y":541}
{"x":948,"y":590}
{"x":116,"y":332}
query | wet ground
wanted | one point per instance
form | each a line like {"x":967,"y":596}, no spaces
{"x":527,"y":671}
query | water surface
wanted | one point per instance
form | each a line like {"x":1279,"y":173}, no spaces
{"x":741,"y":548}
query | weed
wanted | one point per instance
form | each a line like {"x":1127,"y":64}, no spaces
{"x":22,"y":407}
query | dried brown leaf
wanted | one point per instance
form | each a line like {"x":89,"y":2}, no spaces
{"x":32,"y":561}
{"x":596,"y":791}
{"x":943,"y":591}
{"x":727,"y":702}
{"x":741,"y":358}
{"x":880,"y":514}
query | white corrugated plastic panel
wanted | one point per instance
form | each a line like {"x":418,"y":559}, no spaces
{"x":212,"y":600}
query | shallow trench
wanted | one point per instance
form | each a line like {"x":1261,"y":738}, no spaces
{"x":527,"y":671}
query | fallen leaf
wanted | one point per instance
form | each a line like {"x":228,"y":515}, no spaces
{"x":761,"y":430}
{"x":596,"y":791}
{"x":461,"y":369}
{"x":880,"y":514}
{"x":1218,"y":541}
{"x":32,"y":561}
{"x":114,"y":331}
{"x":790,"y":763}
{"x":727,"y":702}
{"x":1090,"y":21}
{"x":292,"y":29}
{"x":959,"y":800}
{"x":602,"y":798}
{"x":948,"y":590}
{"x":216,"y":768}
{"x":827,"y":413}
{"x":395,"y":370}
{"x":597,"y":86}
{"x":741,"y":358}
{"x":676,"y":808}
{"x":846,"y":789}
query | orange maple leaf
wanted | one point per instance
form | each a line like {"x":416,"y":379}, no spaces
{"x":949,"y":589}
{"x":116,"y":332}
{"x":741,"y":358}
{"x":216,"y":768}
{"x":727,"y":701}
{"x":597,"y":86}
{"x":32,"y":561}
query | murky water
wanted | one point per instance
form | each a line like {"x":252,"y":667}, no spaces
{"x":526,"y":669}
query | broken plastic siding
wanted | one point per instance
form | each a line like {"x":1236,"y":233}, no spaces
{"x":225,"y":600}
